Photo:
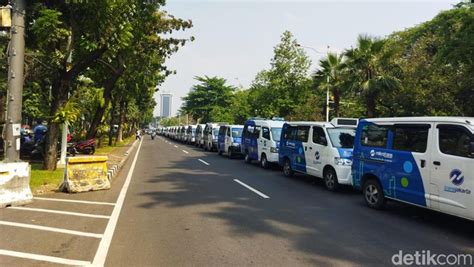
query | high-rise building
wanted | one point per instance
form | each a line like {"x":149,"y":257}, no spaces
{"x":166,"y":101}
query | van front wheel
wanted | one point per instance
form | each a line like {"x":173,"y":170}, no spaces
{"x":330,"y":180}
{"x":287,"y":171}
{"x":264,"y":161}
{"x":247,"y":157}
{"x":373,"y":194}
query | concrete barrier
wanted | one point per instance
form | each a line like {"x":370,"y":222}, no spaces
{"x":15,"y":184}
{"x":84,"y":174}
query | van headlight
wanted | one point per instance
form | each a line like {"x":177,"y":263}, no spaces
{"x":342,"y":161}
{"x":274,"y":149}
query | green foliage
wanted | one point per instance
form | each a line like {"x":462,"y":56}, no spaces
{"x":286,"y":85}
{"x":208,"y":99}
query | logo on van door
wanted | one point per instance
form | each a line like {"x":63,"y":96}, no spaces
{"x":456,"y":177}
{"x":317,"y":155}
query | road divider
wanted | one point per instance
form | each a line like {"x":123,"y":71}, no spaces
{"x":84,"y":174}
{"x":251,"y":188}
{"x":15,"y":184}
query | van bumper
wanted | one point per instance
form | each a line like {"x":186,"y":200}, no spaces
{"x":272,"y":157}
{"x":235,"y":149}
{"x":344,"y":175}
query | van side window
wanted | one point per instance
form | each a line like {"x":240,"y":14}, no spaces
{"x":228,"y":132}
{"x":222,"y":130}
{"x":257,"y":132}
{"x":303,"y":133}
{"x":319,"y":137}
{"x":266,"y":133}
{"x":374,"y":135}
{"x":287,"y":132}
{"x":456,"y":141}
{"x":413,"y":138}
{"x":249,"y":130}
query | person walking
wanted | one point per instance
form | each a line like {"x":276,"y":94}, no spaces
{"x":137,"y":135}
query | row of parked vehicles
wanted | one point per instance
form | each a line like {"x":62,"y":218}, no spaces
{"x":423,"y":161}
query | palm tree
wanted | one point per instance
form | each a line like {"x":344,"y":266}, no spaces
{"x":365,"y":65}
{"x":330,"y":77}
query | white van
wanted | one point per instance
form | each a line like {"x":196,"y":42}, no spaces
{"x":424,"y":161}
{"x":320,"y":149}
{"x":191,"y":134}
{"x":261,"y":139}
{"x":200,"y":135}
{"x":210,"y":136}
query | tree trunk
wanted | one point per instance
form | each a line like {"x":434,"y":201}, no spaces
{"x":60,"y":90}
{"x":337,"y":99}
{"x":108,"y":88}
{"x":121,"y":121}
{"x":370,"y":102}
{"x":111,"y":124}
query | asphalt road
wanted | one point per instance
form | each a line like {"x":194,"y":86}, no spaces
{"x":176,"y":205}
{"x":180,"y":211}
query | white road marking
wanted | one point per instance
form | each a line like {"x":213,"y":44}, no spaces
{"x":204,"y":162}
{"x":185,"y":151}
{"x":38,"y":257}
{"x":50,"y":229}
{"x":251,"y":188}
{"x":101,"y":254}
{"x":75,"y":201}
{"x":176,"y":146}
{"x":61,"y":212}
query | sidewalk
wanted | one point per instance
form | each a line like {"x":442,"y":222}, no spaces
{"x":45,"y":185}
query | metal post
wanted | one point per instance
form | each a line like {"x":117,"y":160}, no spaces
{"x":327,"y":101}
{"x":16,"y":57}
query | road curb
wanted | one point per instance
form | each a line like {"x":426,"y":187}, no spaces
{"x":115,"y":169}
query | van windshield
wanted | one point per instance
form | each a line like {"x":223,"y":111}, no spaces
{"x":276,"y":132}
{"x":342,"y":137}
{"x":237,"y":132}
{"x":215,"y":131}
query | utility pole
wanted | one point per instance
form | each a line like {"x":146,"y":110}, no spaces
{"x":16,"y":57}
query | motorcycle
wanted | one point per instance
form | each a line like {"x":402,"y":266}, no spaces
{"x":83,"y":147}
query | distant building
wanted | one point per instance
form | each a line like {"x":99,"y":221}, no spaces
{"x":166,"y":101}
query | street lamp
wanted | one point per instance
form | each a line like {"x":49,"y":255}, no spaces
{"x":327,"y":90}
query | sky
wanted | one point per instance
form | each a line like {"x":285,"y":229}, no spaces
{"x":235,"y":39}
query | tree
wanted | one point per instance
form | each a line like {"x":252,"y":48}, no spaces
{"x":365,"y":64}
{"x":211,"y":95}
{"x":331,"y":76}
{"x":286,"y":85}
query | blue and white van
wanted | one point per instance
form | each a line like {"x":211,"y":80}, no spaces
{"x":260,"y":140}
{"x":424,"y":161}
{"x":320,"y":149}
{"x":229,"y":140}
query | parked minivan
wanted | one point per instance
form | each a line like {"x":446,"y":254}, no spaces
{"x":210,"y":136}
{"x":261,"y":139}
{"x":424,"y":161}
{"x":191,"y":134}
{"x":229,"y":140}
{"x":200,"y":135}
{"x":320,"y":149}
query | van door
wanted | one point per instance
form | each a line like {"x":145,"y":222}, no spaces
{"x":409,"y":166}
{"x":264,"y":142}
{"x":317,"y":152}
{"x":228,"y":140}
{"x":302,"y":147}
{"x":452,"y":169}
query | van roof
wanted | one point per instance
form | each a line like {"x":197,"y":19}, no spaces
{"x":269,"y":123}
{"x":464,"y":120}
{"x":318,"y":123}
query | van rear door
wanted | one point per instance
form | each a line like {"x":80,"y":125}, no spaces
{"x":452,"y":169}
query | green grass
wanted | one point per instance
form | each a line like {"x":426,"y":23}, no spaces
{"x":45,"y":179}
{"x":105,"y":149}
